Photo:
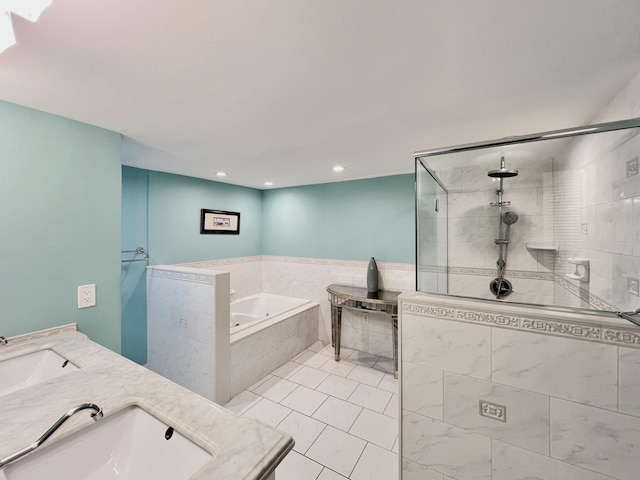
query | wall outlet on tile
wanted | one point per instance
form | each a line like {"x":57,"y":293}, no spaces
{"x":494,"y":411}
{"x":183,"y":322}
{"x":87,"y":296}
{"x":584,"y":229}
{"x":633,"y":286}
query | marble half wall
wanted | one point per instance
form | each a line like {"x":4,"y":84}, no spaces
{"x":508,"y":392}
{"x":188,"y":328}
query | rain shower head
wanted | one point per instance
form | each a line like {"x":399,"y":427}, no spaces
{"x":503,"y":172}
{"x":509,"y":218}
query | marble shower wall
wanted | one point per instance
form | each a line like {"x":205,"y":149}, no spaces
{"x":504,"y":392}
{"x":308,"y":278}
{"x":188,"y":328}
{"x":603,"y":225}
{"x":473,"y":228}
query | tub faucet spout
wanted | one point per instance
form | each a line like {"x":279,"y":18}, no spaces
{"x":96,"y":415}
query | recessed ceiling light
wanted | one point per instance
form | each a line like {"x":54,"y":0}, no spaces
{"x":221,"y":174}
{"x":268,"y":183}
{"x":338,"y":168}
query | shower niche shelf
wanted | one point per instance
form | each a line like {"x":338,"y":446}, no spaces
{"x":550,"y":247}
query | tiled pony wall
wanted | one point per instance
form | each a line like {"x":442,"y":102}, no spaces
{"x":505,"y":392}
{"x":308,"y":278}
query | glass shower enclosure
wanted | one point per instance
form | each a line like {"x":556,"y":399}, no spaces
{"x":522,"y":361}
{"x":431,"y":230}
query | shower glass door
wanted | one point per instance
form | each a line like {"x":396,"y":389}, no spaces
{"x":431,"y":232}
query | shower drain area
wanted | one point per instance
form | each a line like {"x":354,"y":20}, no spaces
{"x":505,"y":288}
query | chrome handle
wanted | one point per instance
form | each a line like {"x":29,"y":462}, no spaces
{"x":629,"y":316}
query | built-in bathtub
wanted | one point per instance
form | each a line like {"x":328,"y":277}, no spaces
{"x":267,"y":331}
{"x":250,"y":311}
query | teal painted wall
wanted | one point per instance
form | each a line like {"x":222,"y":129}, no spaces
{"x":174,"y":219}
{"x":347,"y":220}
{"x":60,"y":184}
{"x":135,"y":192}
{"x":161,"y":212}
{"x":352,"y":220}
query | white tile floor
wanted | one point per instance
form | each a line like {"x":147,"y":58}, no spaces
{"x":342,"y":415}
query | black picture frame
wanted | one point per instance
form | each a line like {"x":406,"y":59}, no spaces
{"x":219,"y":222}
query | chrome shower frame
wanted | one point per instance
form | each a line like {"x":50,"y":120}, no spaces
{"x":422,"y":155}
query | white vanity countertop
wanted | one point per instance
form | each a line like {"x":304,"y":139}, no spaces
{"x":242,"y":448}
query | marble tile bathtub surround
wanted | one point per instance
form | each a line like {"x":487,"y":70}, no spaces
{"x":245,"y":274}
{"x":188,"y":328}
{"x":240,"y":448}
{"x":560,"y":400}
{"x":308,"y":278}
{"x":259,"y":354}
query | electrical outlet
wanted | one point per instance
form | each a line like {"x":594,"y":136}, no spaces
{"x":87,"y":296}
{"x":585,"y":229}
{"x":183,"y":322}
{"x":365,"y":316}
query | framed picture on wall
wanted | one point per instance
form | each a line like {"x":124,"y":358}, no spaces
{"x":219,"y":222}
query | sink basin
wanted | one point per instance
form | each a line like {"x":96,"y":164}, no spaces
{"x":130,"y":444}
{"x":26,"y":370}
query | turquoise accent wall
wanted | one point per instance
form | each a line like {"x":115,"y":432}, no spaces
{"x":161,"y":212}
{"x":135,"y":192}
{"x":174,"y":219}
{"x":60,"y":184}
{"x":347,"y":220}
{"x":352,"y":220}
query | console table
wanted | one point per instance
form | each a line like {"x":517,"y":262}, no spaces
{"x":358,"y":298}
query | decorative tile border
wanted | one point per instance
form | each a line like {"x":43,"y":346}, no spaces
{"x":561,"y":328}
{"x":299,"y":260}
{"x":183,"y":276}
{"x":622,"y":337}
{"x":595,"y":302}
{"x":491,"y":272}
{"x":223,"y":261}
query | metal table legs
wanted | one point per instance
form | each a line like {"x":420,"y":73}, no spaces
{"x":336,"y":332}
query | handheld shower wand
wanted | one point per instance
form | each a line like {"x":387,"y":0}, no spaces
{"x":508,"y":218}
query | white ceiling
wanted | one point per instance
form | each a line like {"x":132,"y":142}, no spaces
{"x":283,"y":90}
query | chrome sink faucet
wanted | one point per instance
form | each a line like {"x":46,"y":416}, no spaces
{"x":96,"y":415}
{"x":3,"y":341}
